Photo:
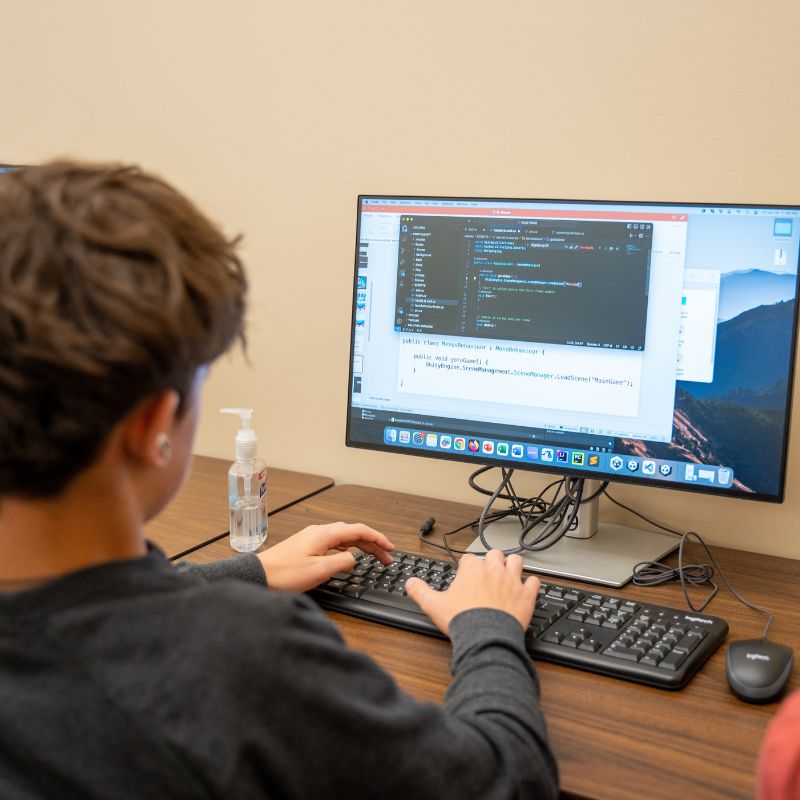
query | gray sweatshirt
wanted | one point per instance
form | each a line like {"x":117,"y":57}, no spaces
{"x":138,"y":680}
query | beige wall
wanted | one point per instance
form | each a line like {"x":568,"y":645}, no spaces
{"x":275,"y":115}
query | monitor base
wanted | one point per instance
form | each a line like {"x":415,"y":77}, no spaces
{"x":606,"y":557}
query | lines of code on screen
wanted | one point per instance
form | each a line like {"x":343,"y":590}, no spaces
{"x":575,"y":282}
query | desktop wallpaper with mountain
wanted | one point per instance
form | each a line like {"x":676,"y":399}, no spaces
{"x":739,"y":419}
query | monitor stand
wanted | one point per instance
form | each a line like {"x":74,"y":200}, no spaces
{"x":596,"y":552}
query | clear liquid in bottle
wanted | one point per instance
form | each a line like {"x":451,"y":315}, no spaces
{"x":247,"y":502}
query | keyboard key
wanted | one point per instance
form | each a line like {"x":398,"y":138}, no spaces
{"x":534,"y":630}
{"x":689,"y":642}
{"x":555,"y":603}
{"x":651,"y":659}
{"x":593,"y":600}
{"x":544,"y":616}
{"x":390,"y":599}
{"x":621,"y":651}
{"x":582,"y":633}
{"x":673,"y":660}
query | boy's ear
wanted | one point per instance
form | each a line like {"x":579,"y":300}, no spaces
{"x":149,"y":426}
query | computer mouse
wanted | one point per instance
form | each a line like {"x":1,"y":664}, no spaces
{"x":758,"y":669}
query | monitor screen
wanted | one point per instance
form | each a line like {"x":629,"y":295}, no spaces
{"x":641,"y":342}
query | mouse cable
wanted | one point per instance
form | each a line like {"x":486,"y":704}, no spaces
{"x":684,"y":571}
{"x":654,"y":573}
{"x":645,"y":573}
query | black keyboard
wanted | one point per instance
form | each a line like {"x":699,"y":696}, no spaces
{"x":615,"y":636}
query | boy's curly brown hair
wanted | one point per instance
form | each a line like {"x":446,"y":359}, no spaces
{"x":113,"y":288}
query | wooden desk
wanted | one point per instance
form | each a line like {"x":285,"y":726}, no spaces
{"x":198,"y":514}
{"x":613,"y":739}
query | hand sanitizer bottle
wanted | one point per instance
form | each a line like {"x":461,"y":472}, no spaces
{"x":247,"y":489}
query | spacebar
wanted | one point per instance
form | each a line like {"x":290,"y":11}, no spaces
{"x":393,"y":599}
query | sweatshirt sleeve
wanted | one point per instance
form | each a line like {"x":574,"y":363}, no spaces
{"x":245,"y":567}
{"x":495,"y":691}
{"x":348,"y":721}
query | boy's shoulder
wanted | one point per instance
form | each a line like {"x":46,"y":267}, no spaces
{"x":144,"y":610}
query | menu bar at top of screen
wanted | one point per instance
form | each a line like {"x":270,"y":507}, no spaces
{"x":559,"y":207}
{"x":506,"y":211}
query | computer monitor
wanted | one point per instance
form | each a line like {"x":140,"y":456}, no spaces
{"x":639,"y":342}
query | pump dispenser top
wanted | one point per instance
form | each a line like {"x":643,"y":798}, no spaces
{"x":246,"y":439}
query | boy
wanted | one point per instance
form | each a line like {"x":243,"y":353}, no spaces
{"x":121,"y":676}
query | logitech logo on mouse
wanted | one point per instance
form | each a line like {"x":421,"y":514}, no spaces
{"x":757,"y":656}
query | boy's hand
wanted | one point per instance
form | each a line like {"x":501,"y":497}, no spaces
{"x":302,"y":561}
{"x":490,"y":582}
